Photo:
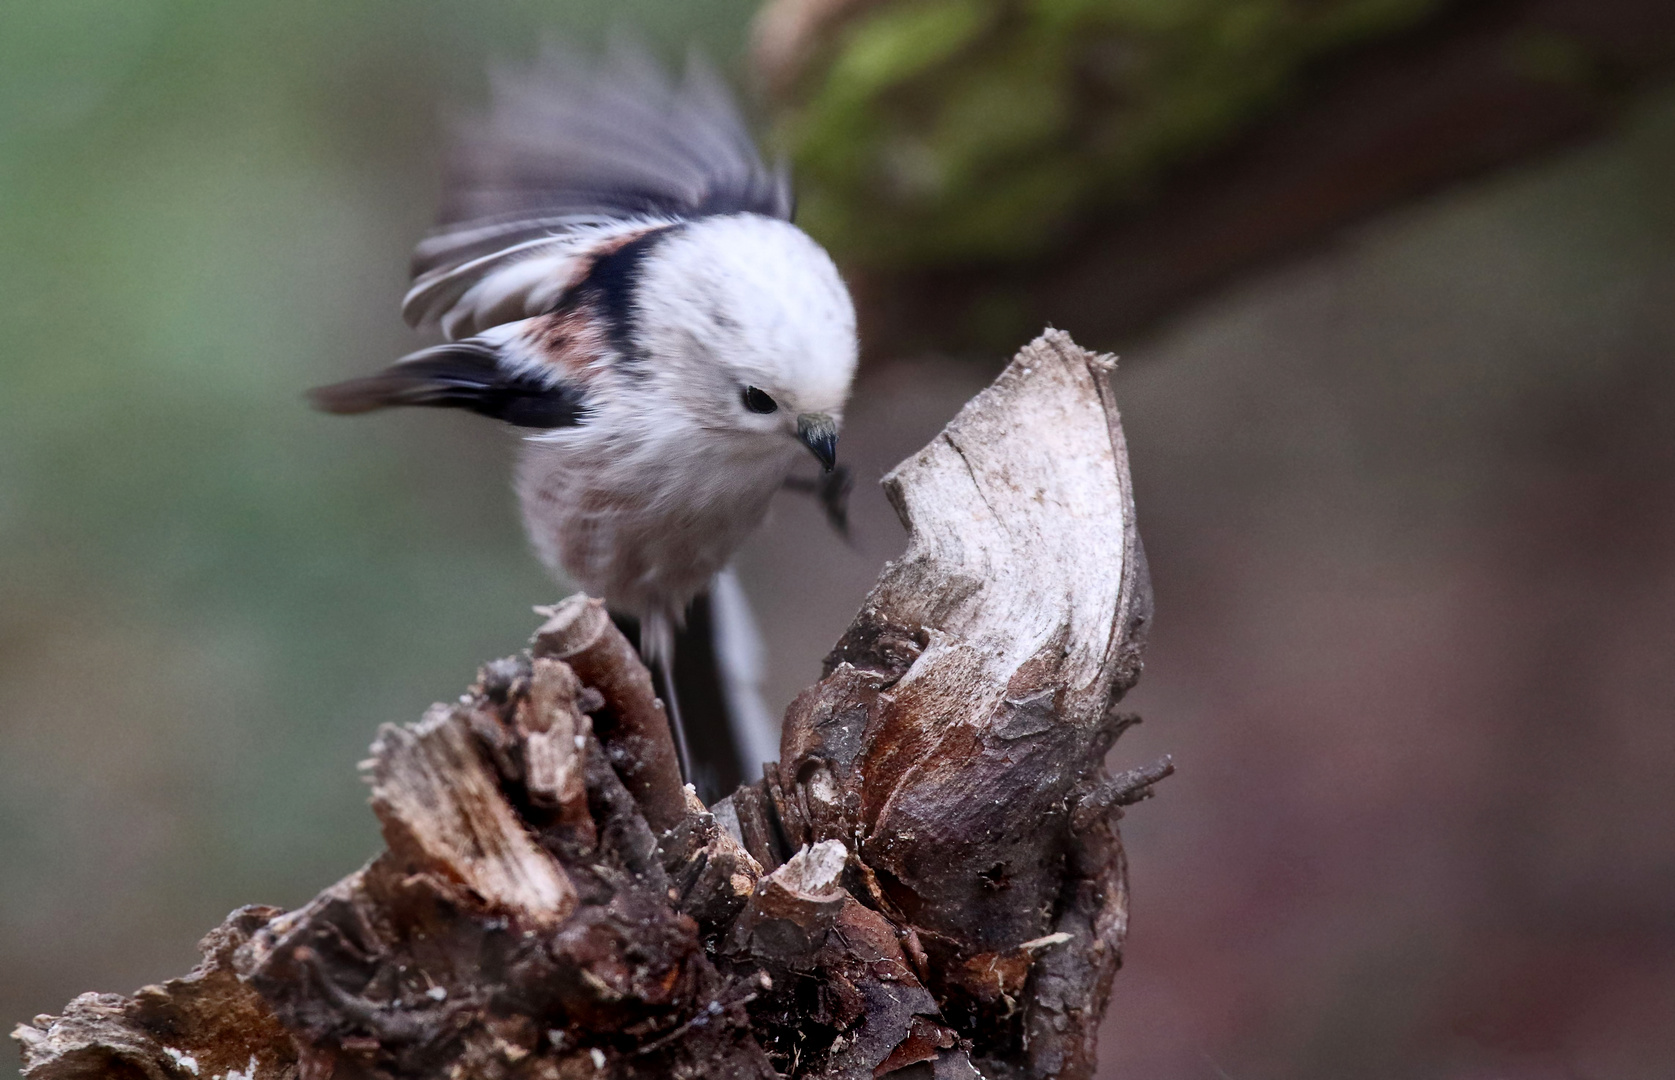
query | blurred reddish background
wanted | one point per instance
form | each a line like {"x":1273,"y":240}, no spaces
{"x":1410,"y":510}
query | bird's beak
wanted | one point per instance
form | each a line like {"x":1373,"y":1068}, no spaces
{"x":818,"y":432}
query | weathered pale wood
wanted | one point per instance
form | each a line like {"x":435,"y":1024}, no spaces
{"x":967,"y":709}
{"x":443,"y":812}
{"x":930,"y":885}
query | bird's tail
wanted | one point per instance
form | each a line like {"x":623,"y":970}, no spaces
{"x":741,"y":664}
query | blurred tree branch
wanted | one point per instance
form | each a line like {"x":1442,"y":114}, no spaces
{"x":930,"y":883}
{"x":1344,"y":125}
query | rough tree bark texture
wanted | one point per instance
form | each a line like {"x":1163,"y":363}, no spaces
{"x":930,"y":883}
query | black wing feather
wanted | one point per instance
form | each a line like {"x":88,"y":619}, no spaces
{"x":463,"y":375}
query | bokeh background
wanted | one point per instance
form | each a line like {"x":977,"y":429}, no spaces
{"x":1406,"y":473}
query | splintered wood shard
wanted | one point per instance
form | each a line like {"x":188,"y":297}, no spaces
{"x":930,"y":884}
{"x":443,"y":812}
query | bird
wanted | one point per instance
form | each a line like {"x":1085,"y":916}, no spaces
{"x":615,"y":274}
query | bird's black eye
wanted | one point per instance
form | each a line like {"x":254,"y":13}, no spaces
{"x":756,"y":401}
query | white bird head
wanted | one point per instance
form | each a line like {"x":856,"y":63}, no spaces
{"x":746,"y":321}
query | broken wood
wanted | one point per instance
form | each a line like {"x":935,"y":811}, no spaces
{"x":930,"y":884}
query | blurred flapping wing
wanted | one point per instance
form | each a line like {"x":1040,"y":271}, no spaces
{"x":575,"y":156}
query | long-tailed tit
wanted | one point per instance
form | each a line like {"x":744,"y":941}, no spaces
{"x":616,"y":273}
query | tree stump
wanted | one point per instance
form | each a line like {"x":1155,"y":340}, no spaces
{"x":929,"y":883}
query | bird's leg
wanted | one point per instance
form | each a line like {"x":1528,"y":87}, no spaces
{"x":671,"y":702}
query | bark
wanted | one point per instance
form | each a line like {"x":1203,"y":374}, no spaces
{"x":930,"y":884}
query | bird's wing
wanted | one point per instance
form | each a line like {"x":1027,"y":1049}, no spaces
{"x":515,"y":280}
{"x":477,"y":374}
{"x":574,"y":155}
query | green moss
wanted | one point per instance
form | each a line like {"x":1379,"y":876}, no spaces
{"x":904,"y":40}
{"x":943,"y":130}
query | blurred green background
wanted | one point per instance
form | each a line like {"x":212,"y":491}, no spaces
{"x":1409,"y":499}
{"x":209,"y":594}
